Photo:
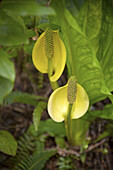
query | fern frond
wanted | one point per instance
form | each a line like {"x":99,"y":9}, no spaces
{"x":20,"y":97}
{"x":26,"y":146}
{"x":37,"y":113}
{"x":37,"y":80}
{"x":36,"y":161}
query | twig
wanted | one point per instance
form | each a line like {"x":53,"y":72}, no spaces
{"x":48,"y":3}
{"x":64,"y":152}
{"x":68,"y":152}
{"x":94,"y":146}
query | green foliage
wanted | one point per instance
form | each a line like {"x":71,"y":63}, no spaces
{"x":30,"y":153}
{"x":36,"y":161}
{"x":21,"y":97}
{"x":50,"y":25}
{"x":8,"y":144}
{"x":85,"y":26}
{"x":40,"y":80}
{"x":6,"y":67}
{"x":7,"y":75}
{"x":5,"y":87}
{"x":26,"y":146}
{"x":105,"y":52}
{"x":60,"y":141}
{"x":12,"y":27}
{"x":29,"y":7}
{"x":106,"y":133}
{"x":52,"y":128}
{"x":65,"y":163}
{"x":106,"y":113}
{"x":79,"y":130}
{"x":12,"y":31}
{"x":37,"y":114}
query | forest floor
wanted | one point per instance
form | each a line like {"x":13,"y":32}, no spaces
{"x":16,"y":118}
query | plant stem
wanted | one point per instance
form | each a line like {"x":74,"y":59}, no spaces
{"x":55,"y":84}
{"x":68,"y":123}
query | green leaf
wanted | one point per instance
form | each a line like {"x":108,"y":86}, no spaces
{"x":6,"y":66}
{"x":7,"y":75}
{"x":90,"y":19}
{"x":12,"y":31}
{"x":37,"y":113}
{"x":105,"y":52}
{"x":29,"y":7}
{"x":8,"y":144}
{"x":36,"y":162}
{"x":21,"y":97}
{"x":53,"y":128}
{"x":81,"y":56}
{"x":5,"y":88}
{"x":31,"y":131}
{"x":52,"y":26}
{"x":60,"y":141}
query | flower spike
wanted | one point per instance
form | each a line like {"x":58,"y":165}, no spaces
{"x":49,"y":46}
{"x":72,"y":90}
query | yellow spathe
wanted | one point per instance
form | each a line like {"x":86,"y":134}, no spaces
{"x":58,"y":104}
{"x":59,"y":56}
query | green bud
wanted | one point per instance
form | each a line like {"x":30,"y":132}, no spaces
{"x":49,"y":46}
{"x":72,"y":89}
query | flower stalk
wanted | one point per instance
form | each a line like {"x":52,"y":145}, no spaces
{"x":55,"y":84}
{"x":68,"y":123}
{"x":71,"y":98}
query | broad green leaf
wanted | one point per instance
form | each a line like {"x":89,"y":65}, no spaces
{"x":12,"y":32}
{"x":8,"y":144}
{"x":7,"y":75}
{"x":37,"y":114}
{"x":73,"y":6}
{"x":6,"y":66}
{"x":5,"y":88}
{"x":29,"y":7}
{"x":52,"y":128}
{"x":60,"y":141}
{"x":105,"y":52}
{"x":90,"y":19}
{"x":81,"y":56}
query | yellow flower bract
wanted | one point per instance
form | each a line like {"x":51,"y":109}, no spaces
{"x":59,"y":55}
{"x":58,"y":104}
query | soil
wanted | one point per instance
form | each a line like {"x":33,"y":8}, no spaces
{"x":17,"y":117}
